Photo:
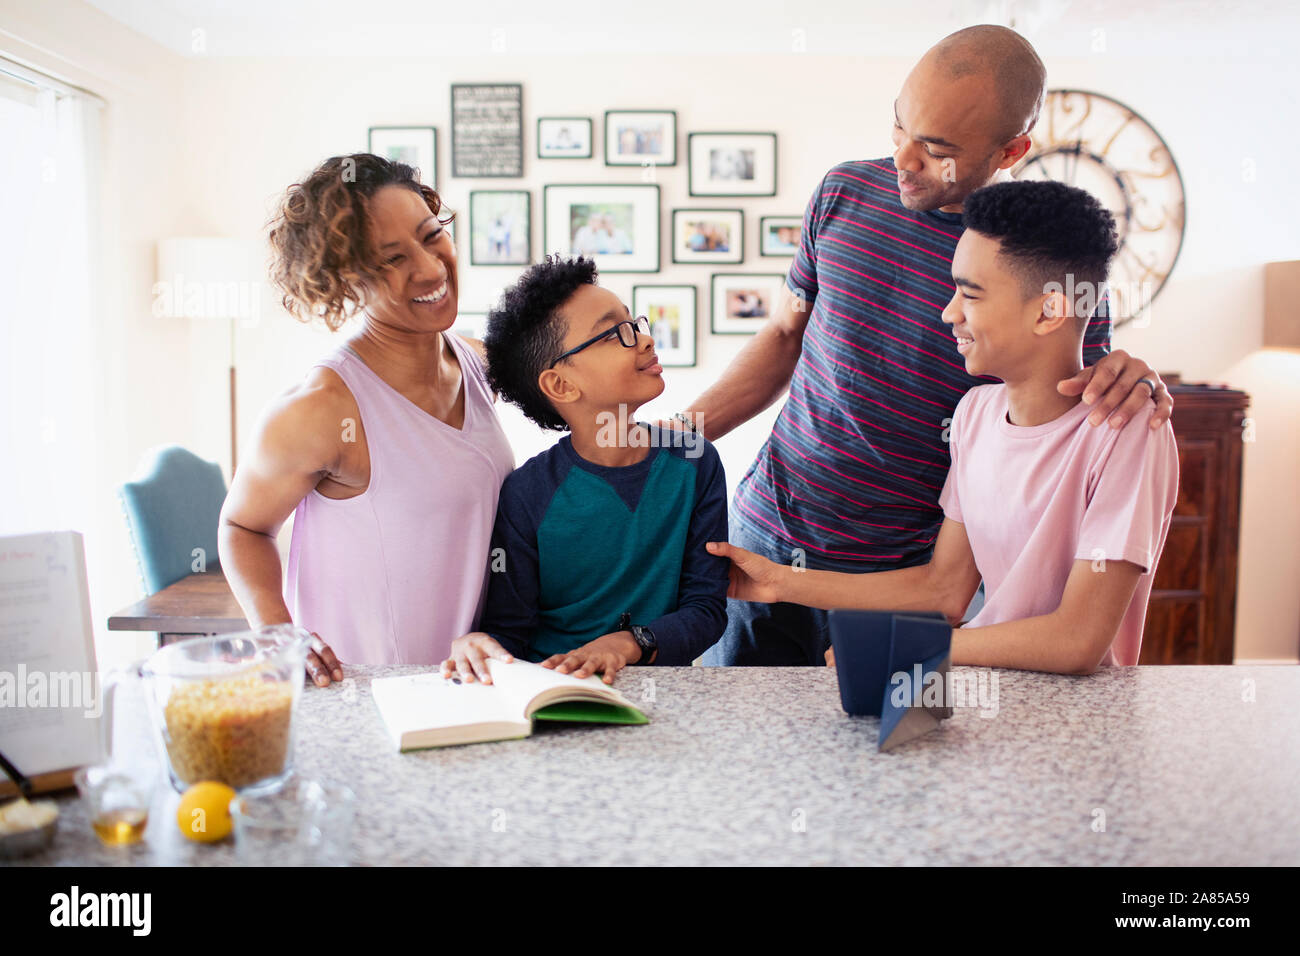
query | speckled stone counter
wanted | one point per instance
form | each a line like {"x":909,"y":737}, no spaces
{"x":1131,"y":766}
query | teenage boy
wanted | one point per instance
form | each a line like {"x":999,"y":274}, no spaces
{"x":597,"y":555}
{"x":1064,"y":522}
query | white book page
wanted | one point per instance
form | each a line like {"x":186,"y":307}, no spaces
{"x":525,"y":681}
{"x":50,"y":711}
{"x":420,"y":702}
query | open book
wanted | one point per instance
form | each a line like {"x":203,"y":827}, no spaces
{"x":424,"y":710}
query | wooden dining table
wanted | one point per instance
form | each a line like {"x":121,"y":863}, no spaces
{"x":198,"y":604}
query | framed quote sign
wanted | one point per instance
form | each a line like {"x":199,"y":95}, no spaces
{"x":487,"y":129}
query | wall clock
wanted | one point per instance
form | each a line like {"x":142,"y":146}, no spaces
{"x":1096,"y":143}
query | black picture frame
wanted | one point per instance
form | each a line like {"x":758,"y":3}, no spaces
{"x":640,"y":163}
{"x":713,"y":299}
{"x":606,"y":267}
{"x":591,"y":136}
{"x":527,"y":230}
{"x":693,"y":138}
{"x":461,"y":166}
{"x":694,"y":319}
{"x":762,"y":238}
{"x":432,"y":182}
{"x":740,"y":250}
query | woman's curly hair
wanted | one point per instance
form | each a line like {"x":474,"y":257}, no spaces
{"x":321,"y":249}
{"x":525,"y":333}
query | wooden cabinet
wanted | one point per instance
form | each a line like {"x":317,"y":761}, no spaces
{"x":1192,"y":611}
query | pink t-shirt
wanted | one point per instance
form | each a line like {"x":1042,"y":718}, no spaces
{"x":1035,"y":499}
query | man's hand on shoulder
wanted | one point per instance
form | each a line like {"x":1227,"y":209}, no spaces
{"x":1119,"y":385}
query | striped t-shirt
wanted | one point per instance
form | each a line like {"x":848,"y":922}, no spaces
{"x":849,"y":479}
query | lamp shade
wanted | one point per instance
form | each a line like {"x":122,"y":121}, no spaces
{"x":1282,"y":305}
{"x":207,"y":278}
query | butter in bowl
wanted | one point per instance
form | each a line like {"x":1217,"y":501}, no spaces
{"x":27,"y":827}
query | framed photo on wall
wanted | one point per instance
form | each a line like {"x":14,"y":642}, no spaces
{"x":487,"y":129}
{"x":640,"y":137}
{"x":708,"y":235}
{"x":618,"y":226}
{"x":500,"y":227}
{"x":779,"y":235}
{"x":564,"y":137}
{"x":742,"y":302}
{"x":671,"y":311}
{"x":732,"y":164}
{"x":413,"y":145}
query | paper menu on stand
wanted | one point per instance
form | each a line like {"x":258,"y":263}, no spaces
{"x":50,"y":709}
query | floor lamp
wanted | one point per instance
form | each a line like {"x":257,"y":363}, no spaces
{"x":211,"y":279}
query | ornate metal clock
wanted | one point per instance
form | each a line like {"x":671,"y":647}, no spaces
{"x":1096,"y":143}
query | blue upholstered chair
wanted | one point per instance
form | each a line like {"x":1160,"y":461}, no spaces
{"x":172,"y":514}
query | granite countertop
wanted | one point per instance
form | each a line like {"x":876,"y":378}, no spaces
{"x":1182,"y":765}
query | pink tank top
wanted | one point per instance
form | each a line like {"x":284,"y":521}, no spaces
{"x":397,"y":573}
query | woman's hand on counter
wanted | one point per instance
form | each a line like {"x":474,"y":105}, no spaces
{"x":322,"y":665}
{"x":469,"y":657}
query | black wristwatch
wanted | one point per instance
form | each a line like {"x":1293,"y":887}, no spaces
{"x":645,"y":639}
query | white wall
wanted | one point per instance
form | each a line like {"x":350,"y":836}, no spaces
{"x":206,"y":146}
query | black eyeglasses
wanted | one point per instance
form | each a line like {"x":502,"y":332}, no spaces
{"x":625,"y":330}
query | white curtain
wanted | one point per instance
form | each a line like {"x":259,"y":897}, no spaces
{"x":49,"y":302}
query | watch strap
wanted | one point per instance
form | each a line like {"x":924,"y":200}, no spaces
{"x":645,"y":639}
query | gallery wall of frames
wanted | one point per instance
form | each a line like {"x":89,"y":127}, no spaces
{"x":616,"y":218}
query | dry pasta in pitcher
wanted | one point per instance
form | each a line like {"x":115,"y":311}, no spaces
{"x":234,"y":731}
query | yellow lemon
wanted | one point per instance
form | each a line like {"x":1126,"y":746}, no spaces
{"x":204,"y":812}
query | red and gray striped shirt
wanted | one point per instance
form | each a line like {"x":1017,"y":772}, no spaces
{"x":850,"y":477}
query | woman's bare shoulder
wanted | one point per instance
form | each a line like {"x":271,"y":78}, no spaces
{"x":320,"y":396}
{"x":307,"y":420}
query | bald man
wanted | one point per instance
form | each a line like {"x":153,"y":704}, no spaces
{"x":850,"y":478}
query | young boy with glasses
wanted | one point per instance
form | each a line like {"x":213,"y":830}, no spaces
{"x":597,"y":557}
{"x":1063,"y":522}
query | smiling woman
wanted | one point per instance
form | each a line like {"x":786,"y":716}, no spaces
{"x":388,"y":453}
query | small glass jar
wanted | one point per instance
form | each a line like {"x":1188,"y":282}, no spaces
{"x":117,"y":799}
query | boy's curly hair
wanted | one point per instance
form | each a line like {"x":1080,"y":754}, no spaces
{"x":525,"y":333}
{"x":1047,"y":230}
{"x":321,"y":248}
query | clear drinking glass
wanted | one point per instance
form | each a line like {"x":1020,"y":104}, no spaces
{"x":117,"y":799}
{"x":305,"y":823}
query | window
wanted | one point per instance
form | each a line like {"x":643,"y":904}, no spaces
{"x":49,"y":368}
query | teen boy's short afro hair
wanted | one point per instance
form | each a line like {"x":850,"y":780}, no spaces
{"x":525,"y":333}
{"x":1047,"y":230}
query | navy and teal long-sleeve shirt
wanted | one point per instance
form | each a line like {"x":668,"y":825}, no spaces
{"x":577,"y":544}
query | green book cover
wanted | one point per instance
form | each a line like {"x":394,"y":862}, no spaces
{"x":591,"y":712}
